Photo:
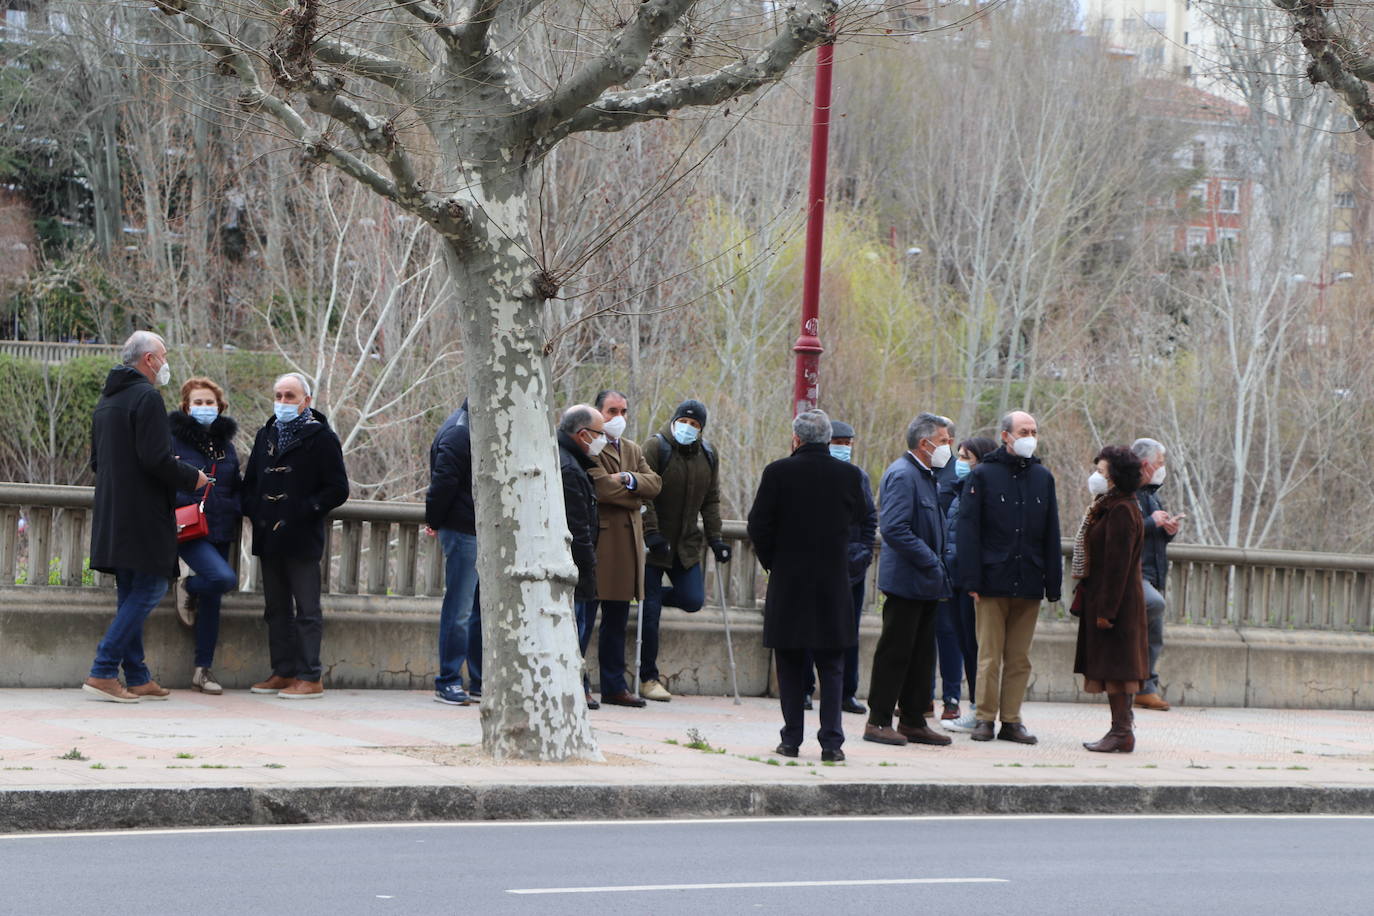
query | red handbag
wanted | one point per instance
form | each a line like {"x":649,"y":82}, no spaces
{"x":191,"y":521}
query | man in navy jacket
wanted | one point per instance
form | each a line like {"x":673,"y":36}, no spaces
{"x":912,"y":578}
{"x":450,"y":515}
{"x":1009,"y":561}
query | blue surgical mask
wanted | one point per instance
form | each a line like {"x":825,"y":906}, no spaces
{"x":204,"y":414}
{"x":842,"y":452}
{"x":685,"y":433}
{"x":962,"y":469}
{"x":286,"y":412}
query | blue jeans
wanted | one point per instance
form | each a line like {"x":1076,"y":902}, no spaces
{"x":1154,"y":630}
{"x":475,"y":642}
{"x":950,"y":652}
{"x":137,"y":593}
{"x":688,"y":592}
{"x":213,"y":576}
{"x":460,"y":591}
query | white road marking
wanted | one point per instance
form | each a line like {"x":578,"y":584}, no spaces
{"x":742,"y":820}
{"x":747,"y":885}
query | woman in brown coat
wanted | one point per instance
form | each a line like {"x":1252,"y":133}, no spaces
{"x":1113,"y":649}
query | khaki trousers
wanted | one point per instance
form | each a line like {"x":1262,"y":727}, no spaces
{"x":1006,"y":627}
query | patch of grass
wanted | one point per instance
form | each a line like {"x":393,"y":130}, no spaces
{"x":670,"y":741}
{"x":831,"y":763}
{"x":275,"y":766}
{"x":218,"y":766}
{"x":19,"y":768}
{"x":1008,"y":764}
{"x":1266,"y":768}
{"x":1053,"y":766}
{"x":1196,"y":766}
{"x":697,"y":742}
{"x":185,"y":756}
{"x":793,"y":763}
{"x":1150,"y":766}
{"x":884,"y":763}
{"x":73,"y":754}
{"x":1297,"y":768}
{"x":97,"y":766}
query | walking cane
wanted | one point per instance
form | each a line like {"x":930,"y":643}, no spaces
{"x":639,"y":640}
{"x":729,"y":643}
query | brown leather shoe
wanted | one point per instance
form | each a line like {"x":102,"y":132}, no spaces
{"x":302,"y":690}
{"x":982,"y":730}
{"x":882,"y":734}
{"x":951,"y":711}
{"x":274,"y":684}
{"x":108,"y":689}
{"x":623,"y":698}
{"x":1015,"y":731}
{"x":1152,"y":701}
{"x":924,"y":735}
{"x":1115,"y":741}
{"x":150,"y":691}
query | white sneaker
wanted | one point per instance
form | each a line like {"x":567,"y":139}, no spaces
{"x":653,"y":690}
{"x":184,"y":600}
{"x":205,"y":682}
{"x":964,"y":723}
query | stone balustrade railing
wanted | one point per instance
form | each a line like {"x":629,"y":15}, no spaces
{"x":379,"y":549}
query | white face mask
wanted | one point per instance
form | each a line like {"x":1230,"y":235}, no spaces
{"x":596,"y":445}
{"x":1023,"y":447}
{"x":615,"y":427}
{"x":1097,"y":484}
{"x":164,"y":375}
{"x":1158,"y":477}
{"x":940,"y":457}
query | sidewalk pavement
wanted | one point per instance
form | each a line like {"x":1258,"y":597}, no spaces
{"x":67,"y":762}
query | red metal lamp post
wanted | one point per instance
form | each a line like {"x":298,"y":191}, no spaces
{"x":806,"y":390}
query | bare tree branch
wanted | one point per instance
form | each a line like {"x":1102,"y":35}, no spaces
{"x":424,"y":11}
{"x":1334,"y":60}
{"x":620,"y":61}
{"x":807,"y":26}
{"x":471,"y":37}
{"x":369,"y":65}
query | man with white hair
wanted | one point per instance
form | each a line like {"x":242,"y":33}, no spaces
{"x":1160,"y":528}
{"x":133,"y":526}
{"x":803,"y":510}
{"x":293,"y":479}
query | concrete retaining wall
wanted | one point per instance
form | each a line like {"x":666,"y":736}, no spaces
{"x":48,"y":637}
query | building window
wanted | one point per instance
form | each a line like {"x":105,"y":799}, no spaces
{"x":1129,"y":23}
{"x":1228,"y":201}
{"x":1198,"y":194}
{"x":1199,"y":154}
{"x":1187,"y":71}
{"x":1228,"y":244}
{"x":1185,"y":38}
{"x":1156,"y":20}
{"x":1197,"y":239}
{"x":1346,"y":162}
{"x":1341,"y":239}
{"x":1107,"y":25}
{"x":1345,"y":200}
{"x":1230,"y":157}
{"x":16,"y":25}
{"x":1316,"y":335}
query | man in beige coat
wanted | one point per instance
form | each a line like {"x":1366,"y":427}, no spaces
{"x":624,"y":483}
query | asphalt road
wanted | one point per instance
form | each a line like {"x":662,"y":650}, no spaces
{"x":870,"y":866}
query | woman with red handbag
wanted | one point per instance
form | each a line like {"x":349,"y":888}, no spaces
{"x":202,"y":436}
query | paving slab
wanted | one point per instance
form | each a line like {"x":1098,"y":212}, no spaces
{"x":67,"y":761}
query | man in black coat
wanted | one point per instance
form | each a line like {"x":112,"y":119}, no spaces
{"x":1160,"y":528}
{"x":294,"y":478}
{"x":450,"y":515}
{"x":1009,"y":561}
{"x":800,"y":526}
{"x":133,"y":526}
{"x":581,"y":437}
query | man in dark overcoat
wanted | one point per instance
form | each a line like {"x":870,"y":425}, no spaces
{"x":133,"y":525}
{"x":800,"y":524}
{"x":295,"y":477}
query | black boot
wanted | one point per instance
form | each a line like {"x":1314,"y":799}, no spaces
{"x":1121,"y":738}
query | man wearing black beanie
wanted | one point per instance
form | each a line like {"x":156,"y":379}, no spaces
{"x":689,"y":468}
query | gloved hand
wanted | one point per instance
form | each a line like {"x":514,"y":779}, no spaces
{"x":721,"y":550}
{"x":657,"y":544}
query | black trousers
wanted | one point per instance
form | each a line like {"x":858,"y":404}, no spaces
{"x":903,"y":662}
{"x":295,"y":623}
{"x":793,"y":667}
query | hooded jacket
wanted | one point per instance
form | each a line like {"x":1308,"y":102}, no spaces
{"x":1008,"y":531}
{"x":691,"y":488}
{"x":288,"y":493}
{"x":448,"y":502}
{"x":133,"y":525}
{"x":210,"y":449}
